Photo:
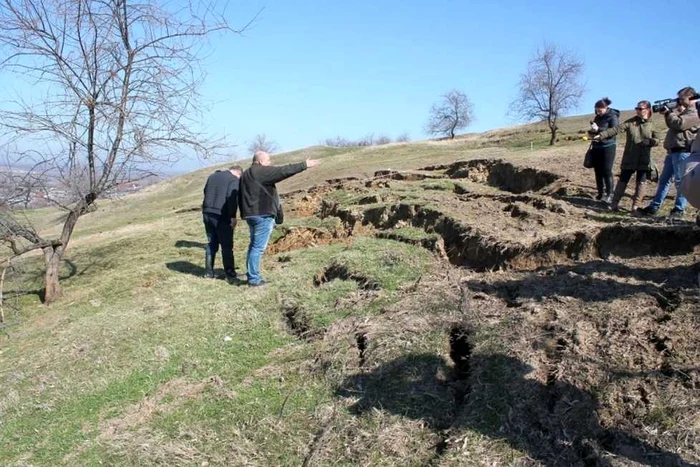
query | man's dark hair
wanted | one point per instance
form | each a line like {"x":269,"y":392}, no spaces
{"x":687,"y":92}
{"x":236,"y":167}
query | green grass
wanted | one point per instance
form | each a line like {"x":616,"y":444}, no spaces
{"x":135,"y":316}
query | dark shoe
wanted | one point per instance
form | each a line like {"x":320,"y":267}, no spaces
{"x":257,"y":284}
{"x":697,"y":220}
{"x":234,"y":280}
{"x":648,"y":211}
{"x":676,"y":214}
{"x":599,"y":196}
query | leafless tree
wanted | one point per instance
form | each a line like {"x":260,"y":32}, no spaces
{"x":262,"y":143}
{"x":381,"y":140}
{"x":452,"y":113}
{"x":403,"y":138}
{"x":120,"y":82}
{"x":549,"y":88}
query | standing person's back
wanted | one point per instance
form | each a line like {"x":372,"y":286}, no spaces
{"x":219,"y":216}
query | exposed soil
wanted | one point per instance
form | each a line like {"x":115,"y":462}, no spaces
{"x":573,"y":335}
{"x":304,"y":237}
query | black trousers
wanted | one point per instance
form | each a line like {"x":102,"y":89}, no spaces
{"x":603,"y":159}
{"x":219,"y":232}
{"x":626,"y":175}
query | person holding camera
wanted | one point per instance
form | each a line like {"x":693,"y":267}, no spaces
{"x":682,"y":123}
{"x":603,"y":151}
{"x":690,"y":183}
{"x":259,"y":206}
{"x":636,"y":159}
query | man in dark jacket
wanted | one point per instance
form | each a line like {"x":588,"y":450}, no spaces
{"x":219,"y":214}
{"x":683,"y":124}
{"x":259,"y":201}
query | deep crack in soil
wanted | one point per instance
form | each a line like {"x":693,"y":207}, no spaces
{"x":340,"y":271}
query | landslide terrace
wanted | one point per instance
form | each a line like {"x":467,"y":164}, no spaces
{"x":473,"y":310}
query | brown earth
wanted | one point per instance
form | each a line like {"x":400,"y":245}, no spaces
{"x":572,"y":334}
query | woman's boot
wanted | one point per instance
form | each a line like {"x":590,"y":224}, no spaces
{"x":617,"y":196}
{"x":639,"y":192}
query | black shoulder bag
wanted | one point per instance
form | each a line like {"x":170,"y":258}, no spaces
{"x":588,"y":158}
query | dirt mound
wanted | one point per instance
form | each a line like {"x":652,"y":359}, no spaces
{"x":296,"y":238}
{"x":500,"y":174}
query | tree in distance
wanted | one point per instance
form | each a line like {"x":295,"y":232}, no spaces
{"x":262,"y":143}
{"x":549,"y":88}
{"x":453,"y":112}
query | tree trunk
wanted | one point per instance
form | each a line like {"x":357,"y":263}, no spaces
{"x":553,"y":138}
{"x":52,"y":258}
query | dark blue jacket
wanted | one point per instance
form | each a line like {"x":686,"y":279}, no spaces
{"x":221,"y":194}
{"x":609,"y":119}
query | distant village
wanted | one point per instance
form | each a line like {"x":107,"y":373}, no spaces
{"x":52,"y":190}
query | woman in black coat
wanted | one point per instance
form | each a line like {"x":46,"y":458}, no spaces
{"x":603,"y":151}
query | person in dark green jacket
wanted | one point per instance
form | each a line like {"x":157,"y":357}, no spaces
{"x":636,"y":159}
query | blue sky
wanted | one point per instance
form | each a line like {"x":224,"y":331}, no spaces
{"x":309,"y":70}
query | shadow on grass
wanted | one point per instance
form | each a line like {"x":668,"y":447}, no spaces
{"x":189,"y":244}
{"x":36,"y":276}
{"x":554,"y":423}
{"x":185,"y":267}
{"x":576,"y":281}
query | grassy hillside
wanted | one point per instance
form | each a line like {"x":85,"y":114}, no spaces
{"x":487,"y":312}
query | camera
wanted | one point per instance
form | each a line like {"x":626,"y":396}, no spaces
{"x":669,"y":104}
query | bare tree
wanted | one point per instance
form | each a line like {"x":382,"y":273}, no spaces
{"x":262,"y":143}
{"x":403,"y":138}
{"x":549,"y":88}
{"x":120,"y":86}
{"x":452,"y":113}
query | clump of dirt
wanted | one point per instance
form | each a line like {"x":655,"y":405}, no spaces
{"x":432,"y":243}
{"x":411,"y":176}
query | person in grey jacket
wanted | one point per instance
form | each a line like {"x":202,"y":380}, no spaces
{"x":219,"y":215}
{"x":683,"y":124}
{"x":690,"y":182}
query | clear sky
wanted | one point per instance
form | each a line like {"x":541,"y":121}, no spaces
{"x":311,"y":69}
